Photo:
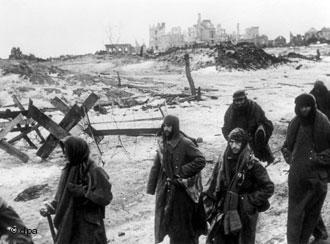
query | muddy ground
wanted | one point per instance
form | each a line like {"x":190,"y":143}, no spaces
{"x":129,"y":218}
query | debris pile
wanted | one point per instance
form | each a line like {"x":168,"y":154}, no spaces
{"x":243,"y":56}
{"x":37,"y":73}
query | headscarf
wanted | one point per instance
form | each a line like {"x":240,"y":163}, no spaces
{"x":305,"y":100}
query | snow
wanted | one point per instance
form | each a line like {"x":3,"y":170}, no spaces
{"x":128,"y":160}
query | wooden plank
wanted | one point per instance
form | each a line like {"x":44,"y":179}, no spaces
{"x":64,"y":108}
{"x":127,"y":132}
{"x":89,"y":102}
{"x":18,"y":103}
{"x":60,"y":105}
{"x":72,"y":118}
{"x":25,"y":131}
{"x":13,"y":151}
{"x":11,"y":125}
{"x":47,"y":123}
{"x":8,"y":114}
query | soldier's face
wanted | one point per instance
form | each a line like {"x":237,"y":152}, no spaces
{"x":239,"y":101}
{"x":235,"y":146}
{"x":167,"y":130}
{"x":305,"y":110}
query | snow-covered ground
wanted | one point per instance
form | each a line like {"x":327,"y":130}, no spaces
{"x":129,"y":218}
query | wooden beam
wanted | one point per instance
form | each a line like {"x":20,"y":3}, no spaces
{"x":47,"y":123}
{"x":128,"y":132}
{"x":25,"y":131}
{"x":72,"y":118}
{"x":13,"y":151}
{"x":11,"y":125}
{"x":64,"y":108}
{"x":188,"y":74}
{"x":60,"y":105}
{"x":8,"y":114}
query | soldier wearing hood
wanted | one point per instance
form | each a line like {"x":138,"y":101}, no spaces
{"x":175,"y":178}
{"x":239,"y":189}
{"x":307,"y":150}
{"x":322,"y":96}
{"x":82,"y":194}
{"x":248,"y":115}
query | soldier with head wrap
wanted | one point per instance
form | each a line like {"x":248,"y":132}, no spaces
{"x":307,"y":150}
{"x":248,"y":115}
{"x":322,"y":96}
{"x":82,"y":194}
{"x":175,"y":178}
{"x":238,"y":190}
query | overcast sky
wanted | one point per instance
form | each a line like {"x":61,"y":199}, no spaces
{"x":54,"y":27}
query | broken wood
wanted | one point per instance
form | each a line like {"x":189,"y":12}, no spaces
{"x":13,"y":151}
{"x":71,"y":119}
{"x":25,"y":131}
{"x":188,"y":74}
{"x":119,"y":80}
{"x":287,"y":84}
{"x":64,"y":108}
{"x":11,"y":125}
{"x":127,"y":132}
{"x":47,"y":123}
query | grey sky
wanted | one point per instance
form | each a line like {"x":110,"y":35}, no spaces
{"x":54,"y":27}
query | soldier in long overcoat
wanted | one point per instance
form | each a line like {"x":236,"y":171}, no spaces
{"x":307,"y":150}
{"x":82,"y":194}
{"x":248,"y":115}
{"x":175,"y":178}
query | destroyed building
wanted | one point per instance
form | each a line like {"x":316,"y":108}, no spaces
{"x":202,"y":32}
{"x":119,"y":48}
{"x":160,"y":41}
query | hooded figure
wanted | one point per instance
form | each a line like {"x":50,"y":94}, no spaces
{"x":307,"y":150}
{"x":248,"y":115}
{"x":175,"y":178}
{"x":82,"y":194}
{"x":238,"y":190}
{"x":322,"y":96}
{"x":11,"y":224}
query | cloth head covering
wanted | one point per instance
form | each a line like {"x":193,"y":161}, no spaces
{"x":173,"y":121}
{"x":238,"y":134}
{"x":239,"y":94}
{"x":76,"y":149}
{"x":305,"y":100}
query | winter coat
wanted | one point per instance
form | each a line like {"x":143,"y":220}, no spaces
{"x":254,"y":188}
{"x":322,"y":97}
{"x":9,"y":222}
{"x":320,"y":140}
{"x":249,"y":119}
{"x":307,"y":150}
{"x":186,"y":220}
{"x":79,"y":220}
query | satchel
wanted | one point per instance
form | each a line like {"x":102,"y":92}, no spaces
{"x":232,"y":222}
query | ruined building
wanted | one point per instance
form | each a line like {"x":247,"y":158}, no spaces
{"x":202,"y":32}
{"x":160,"y":41}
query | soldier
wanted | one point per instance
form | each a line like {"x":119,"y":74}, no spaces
{"x":322,"y":96}
{"x":307,"y":150}
{"x":12,"y":228}
{"x":175,"y":178}
{"x":82,"y":194}
{"x":239,"y":189}
{"x":248,"y":115}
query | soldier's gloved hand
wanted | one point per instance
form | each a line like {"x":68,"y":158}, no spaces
{"x":76,"y":190}
{"x":177,"y":181}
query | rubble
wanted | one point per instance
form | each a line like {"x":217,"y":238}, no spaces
{"x":243,"y":56}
